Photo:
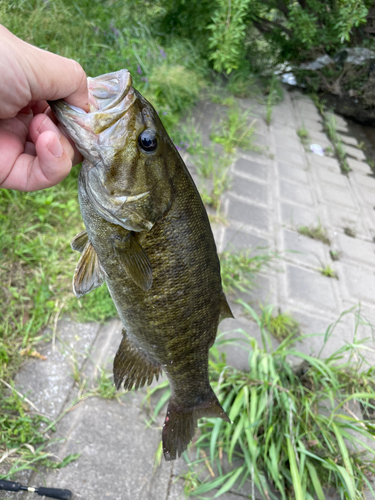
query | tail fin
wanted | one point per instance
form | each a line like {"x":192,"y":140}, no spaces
{"x":180,"y":424}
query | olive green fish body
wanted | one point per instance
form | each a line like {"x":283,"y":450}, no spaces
{"x":148,"y":237}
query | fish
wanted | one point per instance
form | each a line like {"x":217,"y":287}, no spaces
{"x":147,"y":235}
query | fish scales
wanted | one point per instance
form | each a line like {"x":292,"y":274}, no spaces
{"x":149,"y":238}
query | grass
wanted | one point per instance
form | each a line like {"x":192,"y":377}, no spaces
{"x":282,"y":325}
{"x":275,"y":95}
{"x":238,"y":269}
{"x":296,"y":431}
{"x":328,"y":271}
{"x":303,"y":134}
{"x":315,"y":232}
{"x":24,"y":442}
{"x":330,"y":126}
{"x":335,"y":255}
{"x":235,"y":131}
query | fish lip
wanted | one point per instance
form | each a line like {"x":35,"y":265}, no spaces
{"x":113,"y":96}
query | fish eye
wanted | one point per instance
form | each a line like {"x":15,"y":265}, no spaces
{"x":147,"y":140}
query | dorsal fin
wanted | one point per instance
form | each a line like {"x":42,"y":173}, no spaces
{"x":88,"y":274}
{"x":134,"y":260}
{"x":225,"y":311}
{"x":79,"y":241}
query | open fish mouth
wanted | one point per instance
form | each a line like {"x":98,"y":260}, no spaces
{"x":110,"y":97}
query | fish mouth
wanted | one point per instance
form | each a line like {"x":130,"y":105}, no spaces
{"x":110,"y":97}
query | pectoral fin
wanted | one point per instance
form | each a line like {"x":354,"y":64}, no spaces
{"x":134,"y":260}
{"x":225,"y":311}
{"x":88,"y":274}
{"x":79,"y":241}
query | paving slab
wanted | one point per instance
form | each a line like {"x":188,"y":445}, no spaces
{"x":311,"y":290}
{"x":252,"y":168}
{"x":251,"y":190}
{"x":296,"y":193}
{"x":248,"y":214}
{"x":295,"y":215}
{"x":292,"y":174}
{"x":324,"y":161}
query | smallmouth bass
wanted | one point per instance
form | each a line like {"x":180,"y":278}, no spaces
{"x":148,"y":237}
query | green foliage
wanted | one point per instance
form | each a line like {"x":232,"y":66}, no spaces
{"x":228,"y":30}
{"x":238,"y":269}
{"x":234,"y":131}
{"x":303,"y":134}
{"x":281,"y":325}
{"x":328,"y":272}
{"x":293,"y":430}
{"x":331,"y":128}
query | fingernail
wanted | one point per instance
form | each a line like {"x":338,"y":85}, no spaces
{"x":55,"y":148}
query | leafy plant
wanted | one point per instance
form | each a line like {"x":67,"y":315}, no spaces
{"x":315,"y":232}
{"x":228,"y":30}
{"x":303,"y":134}
{"x":281,"y":325}
{"x":235,"y":131}
{"x":238,"y":269}
{"x":328,"y":271}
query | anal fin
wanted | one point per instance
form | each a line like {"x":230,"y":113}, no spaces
{"x":132,"y":368}
{"x":180,"y":424}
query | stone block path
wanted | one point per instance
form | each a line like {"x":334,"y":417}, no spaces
{"x":273,"y":193}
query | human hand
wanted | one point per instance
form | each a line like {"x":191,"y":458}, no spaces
{"x":34,"y":153}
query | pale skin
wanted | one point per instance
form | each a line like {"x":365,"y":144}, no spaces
{"x":34,"y":153}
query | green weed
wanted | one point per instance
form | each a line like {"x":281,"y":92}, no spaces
{"x":235,"y":131}
{"x":282,"y":325}
{"x":331,"y":129}
{"x":326,"y":270}
{"x":293,"y":430}
{"x":275,"y":95}
{"x":242,"y":84}
{"x":238,"y":269}
{"x":335,"y":255}
{"x":315,"y":232}
{"x":214,"y":171}
{"x":223,"y":101}
{"x":303,"y":134}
